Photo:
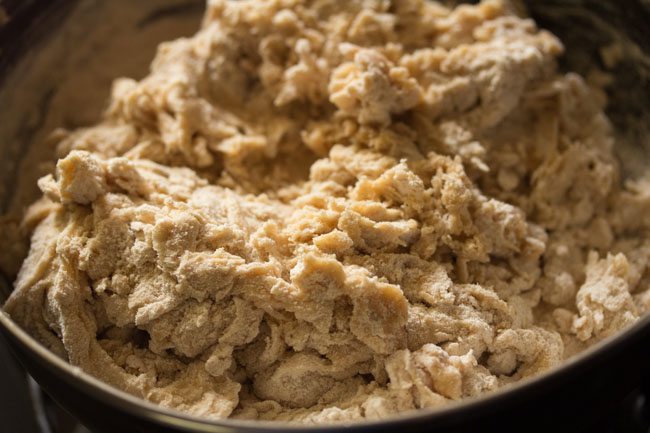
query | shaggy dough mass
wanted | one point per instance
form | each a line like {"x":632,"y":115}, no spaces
{"x":324,"y":211}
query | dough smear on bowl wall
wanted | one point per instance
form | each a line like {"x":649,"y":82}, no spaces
{"x":323,"y":211}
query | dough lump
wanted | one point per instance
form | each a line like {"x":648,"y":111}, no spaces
{"x":321,"y":211}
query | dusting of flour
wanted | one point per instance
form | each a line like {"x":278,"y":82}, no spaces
{"x":322,"y":211}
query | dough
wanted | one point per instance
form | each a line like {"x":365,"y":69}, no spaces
{"x":322,"y":211}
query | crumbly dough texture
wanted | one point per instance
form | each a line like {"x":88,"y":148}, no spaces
{"x":322,"y":211}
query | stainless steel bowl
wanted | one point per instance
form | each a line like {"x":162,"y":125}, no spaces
{"x":563,"y":399}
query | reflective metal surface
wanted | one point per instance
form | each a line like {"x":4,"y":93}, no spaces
{"x":609,"y":376}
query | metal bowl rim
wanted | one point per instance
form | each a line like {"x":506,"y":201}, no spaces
{"x":173,"y":418}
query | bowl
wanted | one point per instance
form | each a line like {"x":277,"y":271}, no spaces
{"x":50,"y":47}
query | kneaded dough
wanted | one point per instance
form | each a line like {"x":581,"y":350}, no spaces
{"x":322,"y":211}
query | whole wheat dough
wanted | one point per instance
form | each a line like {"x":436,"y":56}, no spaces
{"x":321,"y":211}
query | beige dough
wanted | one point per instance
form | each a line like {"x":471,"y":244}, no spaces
{"x":322,"y":211}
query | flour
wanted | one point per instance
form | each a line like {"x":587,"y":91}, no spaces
{"x":319,"y":211}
